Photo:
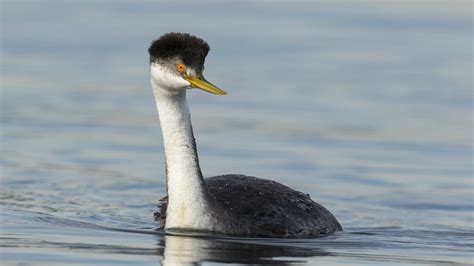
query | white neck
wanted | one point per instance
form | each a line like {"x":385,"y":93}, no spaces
{"x":188,"y":204}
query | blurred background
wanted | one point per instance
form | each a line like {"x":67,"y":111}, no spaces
{"x":365,"y":105}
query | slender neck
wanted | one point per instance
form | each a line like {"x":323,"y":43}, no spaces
{"x":180,"y":147}
{"x":187,"y":195}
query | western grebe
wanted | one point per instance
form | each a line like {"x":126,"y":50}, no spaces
{"x":228,"y":204}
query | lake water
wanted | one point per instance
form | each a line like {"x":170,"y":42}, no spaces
{"x":366,"y":106}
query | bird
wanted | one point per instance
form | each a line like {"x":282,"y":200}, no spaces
{"x":231,"y":204}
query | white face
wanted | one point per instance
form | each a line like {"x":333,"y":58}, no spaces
{"x":172,"y":77}
{"x":167,"y":79}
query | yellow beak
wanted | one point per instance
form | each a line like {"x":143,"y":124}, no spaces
{"x":204,"y":85}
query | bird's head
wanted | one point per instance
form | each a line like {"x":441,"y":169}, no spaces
{"x":177,"y":63}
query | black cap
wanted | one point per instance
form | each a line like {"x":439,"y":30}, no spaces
{"x":191,"y":49}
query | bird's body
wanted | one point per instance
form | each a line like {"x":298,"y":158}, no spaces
{"x":258,"y":207}
{"x":228,"y":204}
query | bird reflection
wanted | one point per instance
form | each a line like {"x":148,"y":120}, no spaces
{"x":182,"y":250}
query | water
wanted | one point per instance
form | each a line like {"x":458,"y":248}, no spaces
{"x":365,"y":106}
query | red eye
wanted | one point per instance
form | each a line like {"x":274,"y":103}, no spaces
{"x":180,"y":68}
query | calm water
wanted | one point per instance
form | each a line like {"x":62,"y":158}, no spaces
{"x":367,"y":107}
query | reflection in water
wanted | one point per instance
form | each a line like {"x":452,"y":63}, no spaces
{"x":74,"y":240}
{"x":171,"y":249}
{"x":180,"y":250}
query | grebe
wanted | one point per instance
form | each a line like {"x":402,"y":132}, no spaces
{"x":227,"y":204}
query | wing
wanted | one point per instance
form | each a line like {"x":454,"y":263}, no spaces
{"x":269,"y":209}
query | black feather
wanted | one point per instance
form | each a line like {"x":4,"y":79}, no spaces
{"x":191,"y":49}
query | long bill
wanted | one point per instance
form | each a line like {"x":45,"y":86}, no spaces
{"x":204,"y":85}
